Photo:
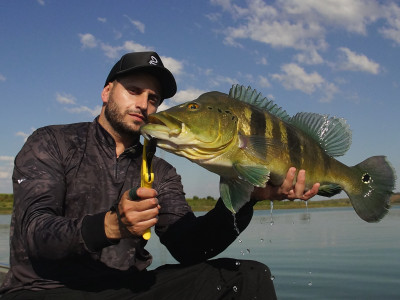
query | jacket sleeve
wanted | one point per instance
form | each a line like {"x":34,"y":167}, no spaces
{"x":189,"y":238}
{"x":39,"y":189}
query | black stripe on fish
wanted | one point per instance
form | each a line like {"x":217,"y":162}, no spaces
{"x":257,"y":123}
{"x":294,"y":147}
{"x":258,"y":127}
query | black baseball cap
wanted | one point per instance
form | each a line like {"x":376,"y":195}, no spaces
{"x":149,"y":62}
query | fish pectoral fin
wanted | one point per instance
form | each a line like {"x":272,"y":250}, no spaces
{"x":235,"y":193}
{"x":255,"y":175}
{"x":329,"y":190}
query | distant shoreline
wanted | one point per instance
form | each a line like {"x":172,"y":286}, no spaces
{"x":206,"y":204}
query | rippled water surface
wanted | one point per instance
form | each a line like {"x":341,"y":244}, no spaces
{"x":312,"y":254}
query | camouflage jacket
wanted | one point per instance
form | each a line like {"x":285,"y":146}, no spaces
{"x":66,"y":177}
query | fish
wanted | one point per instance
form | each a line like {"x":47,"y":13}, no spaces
{"x":250,"y":141}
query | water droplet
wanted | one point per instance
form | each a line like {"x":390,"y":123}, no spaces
{"x":310,"y":283}
{"x":219,"y":287}
{"x":235,"y":224}
{"x":308,"y":218}
{"x":261,"y":240}
{"x":238,"y":263}
{"x":248,"y":251}
{"x":240,"y":240}
{"x":235,"y":289}
{"x":272,"y":208}
{"x":272,"y":277}
{"x":242,"y":252}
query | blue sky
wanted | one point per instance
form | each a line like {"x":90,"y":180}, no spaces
{"x":336,"y":57}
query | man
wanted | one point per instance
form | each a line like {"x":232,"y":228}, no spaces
{"x":77,"y":233}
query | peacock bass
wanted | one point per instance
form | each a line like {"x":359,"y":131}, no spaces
{"x":248,"y":140}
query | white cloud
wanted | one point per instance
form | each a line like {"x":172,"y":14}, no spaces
{"x":139,"y":25}
{"x":74,"y":107}
{"x":294,"y":77}
{"x":65,"y":99}
{"x":110,"y":51}
{"x":175,"y":66}
{"x":262,"y":61}
{"x":102,"y":20}
{"x":263,"y":82}
{"x":357,"y":62}
{"x":25,"y":135}
{"x":187,"y":95}
{"x":88,"y":40}
{"x":181,"y":96}
{"x":5,"y":174}
{"x":84,"y":109}
{"x":328,"y":90}
{"x":131,"y":46}
{"x":353,"y":16}
{"x":219,"y":79}
{"x":6,"y":158}
{"x":2,"y":77}
{"x":128,"y":46}
{"x":310,"y":57}
{"x":304,"y":25}
{"x":114,"y":52}
{"x":392,"y":29}
{"x":41,"y":2}
{"x":6,"y":170}
{"x":213,"y":17}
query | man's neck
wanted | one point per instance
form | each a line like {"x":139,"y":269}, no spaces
{"x":122,"y":141}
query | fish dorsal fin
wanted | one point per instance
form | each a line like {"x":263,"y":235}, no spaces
{"x":332,"y":133}
{"x":252,"y":97}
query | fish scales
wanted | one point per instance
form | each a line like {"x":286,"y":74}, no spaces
{"x":248,"y":141}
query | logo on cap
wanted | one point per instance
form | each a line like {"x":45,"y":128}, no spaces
{"x":153,"y":60}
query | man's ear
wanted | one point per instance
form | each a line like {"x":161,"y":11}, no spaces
{"x":106,"y":92}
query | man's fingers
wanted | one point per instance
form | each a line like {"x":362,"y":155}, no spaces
{"x":299,"y":187}
{"x":311,"y":193}
{"x":287,"y":184}
{"x":141,"y":193}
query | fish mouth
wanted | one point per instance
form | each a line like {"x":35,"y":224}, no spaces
{"x":167,"y":130}
{"x":176,"y":137}
{"x":161,"y":126}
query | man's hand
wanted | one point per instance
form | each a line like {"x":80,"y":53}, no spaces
{"x":136,"y":215}
{"x":287,"y":190}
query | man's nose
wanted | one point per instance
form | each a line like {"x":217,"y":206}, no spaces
{"x":142,"y":101}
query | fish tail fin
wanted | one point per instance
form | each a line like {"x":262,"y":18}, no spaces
{"x":371,"y":195}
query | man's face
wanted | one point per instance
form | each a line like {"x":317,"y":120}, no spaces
{"x":129,"y":100}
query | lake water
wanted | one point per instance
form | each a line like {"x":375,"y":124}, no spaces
{"x":312,"y":254}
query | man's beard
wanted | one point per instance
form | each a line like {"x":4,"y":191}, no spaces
{"x":116,"y":120}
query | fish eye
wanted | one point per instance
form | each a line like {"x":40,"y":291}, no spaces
{"x":193,"y":106}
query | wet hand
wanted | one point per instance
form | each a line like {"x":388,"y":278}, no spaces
{"x":287,"y":190}
{"x":136,"y":215}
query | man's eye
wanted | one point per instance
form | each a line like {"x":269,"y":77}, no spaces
{"x":134,"y":91}
{"x":153,"y":101}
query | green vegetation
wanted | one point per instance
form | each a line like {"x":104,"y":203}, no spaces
{"x":6,"y":203}
{"x":205,"y":204}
